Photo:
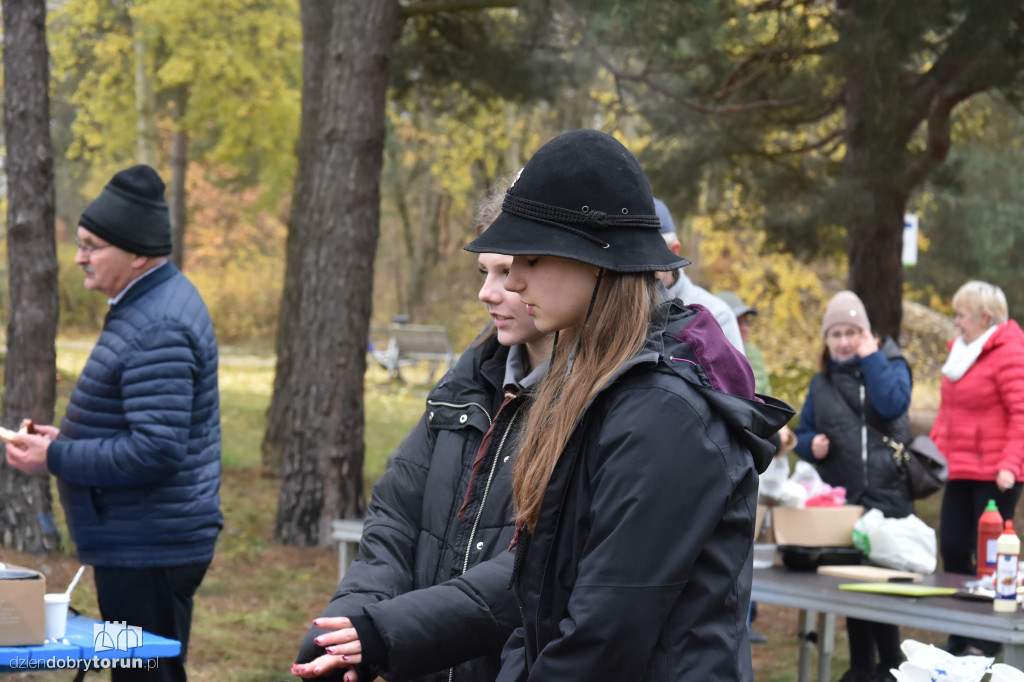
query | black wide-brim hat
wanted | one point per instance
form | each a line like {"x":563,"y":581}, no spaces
{"x":582,"y":196}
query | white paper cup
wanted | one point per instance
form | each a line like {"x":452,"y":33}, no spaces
{"x":56,"y":608}
{"x":1002,"y":672}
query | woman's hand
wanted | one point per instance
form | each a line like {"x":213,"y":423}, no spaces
{"x":866,"y":344}
{"x":1005,"y":480}
{"x":343,"y":650}
{"x":819,"y":446}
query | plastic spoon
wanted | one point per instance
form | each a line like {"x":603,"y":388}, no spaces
{"x":74,"y":581}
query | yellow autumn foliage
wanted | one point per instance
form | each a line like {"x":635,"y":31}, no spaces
{"x":790,"y":295}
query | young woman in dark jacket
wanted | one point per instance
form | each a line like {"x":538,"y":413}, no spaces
{"x":636,"y":482}
{"x":861,"y":395}
{"x":428,"y":597}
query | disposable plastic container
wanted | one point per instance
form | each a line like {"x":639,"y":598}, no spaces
{"x":1008,"y":548}
{"x":990,"y":527}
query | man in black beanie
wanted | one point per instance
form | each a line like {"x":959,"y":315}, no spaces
{"x":137,"y":456}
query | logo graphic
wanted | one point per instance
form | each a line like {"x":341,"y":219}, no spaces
{"x":116,"y":636}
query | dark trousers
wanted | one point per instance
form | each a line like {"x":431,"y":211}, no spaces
{"x":962,"y":504}
{"x":867,"y":637}
{"x":158,"y":600}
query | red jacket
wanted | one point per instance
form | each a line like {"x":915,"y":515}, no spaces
{"x":980,"y":424}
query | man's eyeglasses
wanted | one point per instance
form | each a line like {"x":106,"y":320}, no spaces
{"x":89,"y":248}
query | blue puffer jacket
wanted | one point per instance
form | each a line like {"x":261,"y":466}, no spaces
{"x":138,"y":458}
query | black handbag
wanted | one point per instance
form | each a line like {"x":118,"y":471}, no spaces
{"x":926,"y":466}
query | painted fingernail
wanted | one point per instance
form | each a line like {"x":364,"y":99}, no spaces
{"x":319,"y":640}
{"x":344,"y":658}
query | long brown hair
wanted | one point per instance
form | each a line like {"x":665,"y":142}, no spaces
{"x":615,"y":332}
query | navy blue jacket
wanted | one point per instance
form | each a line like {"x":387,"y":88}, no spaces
{"x":138,"y":457}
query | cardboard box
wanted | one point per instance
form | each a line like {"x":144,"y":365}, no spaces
{"x":22,"y":620}
{"x":815,"y":526}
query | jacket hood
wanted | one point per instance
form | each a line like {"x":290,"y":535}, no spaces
{"x":689,"y":341}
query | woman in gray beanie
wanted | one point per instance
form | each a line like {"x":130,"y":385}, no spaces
{"x":861,"y":394}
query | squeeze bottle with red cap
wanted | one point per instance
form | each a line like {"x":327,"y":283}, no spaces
{"x":1008,"y":548}
{"x":990,"y":526}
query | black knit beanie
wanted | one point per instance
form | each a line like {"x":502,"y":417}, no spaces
{"x":131,"y":213}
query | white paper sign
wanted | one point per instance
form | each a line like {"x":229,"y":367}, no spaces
{"x":910,"y":225}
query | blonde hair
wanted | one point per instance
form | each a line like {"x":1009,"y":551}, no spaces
{"x":982,"y":297}
{"x":615,"y":332}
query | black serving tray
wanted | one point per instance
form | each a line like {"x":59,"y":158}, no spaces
{"x":801,"y":558}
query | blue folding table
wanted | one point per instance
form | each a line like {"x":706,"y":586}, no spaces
{"x":90,"y":645}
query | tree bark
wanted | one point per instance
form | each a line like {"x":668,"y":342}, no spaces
{"x":316,"y":32}
{"x":179,"y":172}
{"x":336,"y":229}
{"x":147,"y":141}
{"x":874,"y":169}
{"x":26,"y":515}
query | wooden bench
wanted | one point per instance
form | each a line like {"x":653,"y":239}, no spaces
{"x":348,"y":533}
{"x":409,"y":344}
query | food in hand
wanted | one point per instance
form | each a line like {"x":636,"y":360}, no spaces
{"x":26,"y":427}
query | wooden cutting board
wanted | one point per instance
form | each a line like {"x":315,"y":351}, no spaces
{"x":871,"y":574}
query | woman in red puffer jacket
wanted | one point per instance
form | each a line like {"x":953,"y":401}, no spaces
{"x":979,"y":427}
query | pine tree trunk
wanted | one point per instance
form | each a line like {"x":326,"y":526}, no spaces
{"x":147,"y":140}
{"x":26,"y":516}
{"x":316,"y":31}
{"x":337,"y":221}
{"x":876,"y":197}
{"x":179,"y":171}
{"x":875,"y":261}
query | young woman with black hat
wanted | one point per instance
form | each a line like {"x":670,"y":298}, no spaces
{"x":636,"y":480}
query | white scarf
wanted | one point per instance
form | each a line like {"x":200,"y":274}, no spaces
{"x":962,"y":356}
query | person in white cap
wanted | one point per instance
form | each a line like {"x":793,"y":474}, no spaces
{"x":680,"y":286}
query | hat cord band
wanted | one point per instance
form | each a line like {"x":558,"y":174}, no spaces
{"x":535,"y":210}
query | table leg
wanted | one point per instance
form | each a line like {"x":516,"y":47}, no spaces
{"x":808,"y":638}
{"x":1012,"y":656}
{"x":826,"y":645}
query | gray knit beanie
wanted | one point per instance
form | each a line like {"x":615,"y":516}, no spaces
{"x":131,"y":213}
{"x":845,"y":308}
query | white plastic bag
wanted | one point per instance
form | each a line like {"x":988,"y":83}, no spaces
{"x":806,"y":475}
{"x":928,"y":663}
{"x":773,"y":478}
{"x":906,"y":544}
